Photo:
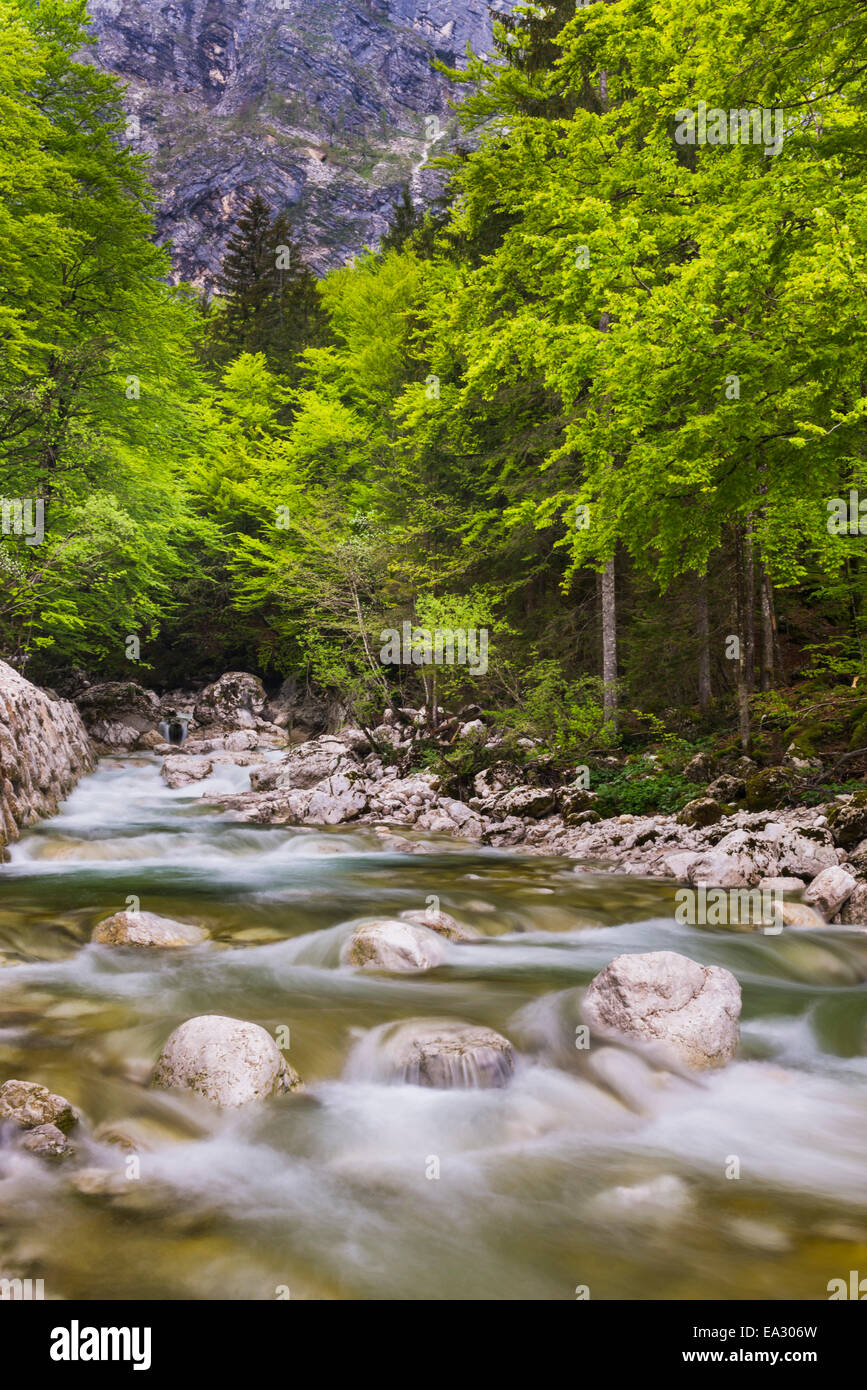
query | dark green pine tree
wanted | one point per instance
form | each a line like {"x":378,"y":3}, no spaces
{"x":270,"y":303}
{"x":530,"y":46}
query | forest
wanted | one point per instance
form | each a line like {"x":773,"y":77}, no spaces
{"x":604,"y":401}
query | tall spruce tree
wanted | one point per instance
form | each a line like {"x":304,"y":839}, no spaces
{"x":270,"y":299}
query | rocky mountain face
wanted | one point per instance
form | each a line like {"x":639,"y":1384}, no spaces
{"x":327,"y":107}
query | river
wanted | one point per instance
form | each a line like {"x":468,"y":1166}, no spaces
{"x":600,"y":1175}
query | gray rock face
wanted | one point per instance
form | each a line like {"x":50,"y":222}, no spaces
{"x":440,"y":1053}
{"x":146,"y":929}
{"x":233,"y":701}
{"x":663,"y":997}
{"x":391,"y":944}
{"x":44,"y":750}
{"x":320,"y":106}
{"x":227,"y":1060}
{"x":118,"y":713}
{"x":30,"y":1105}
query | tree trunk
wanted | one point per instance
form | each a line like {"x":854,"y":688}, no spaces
{"x":609,"y":646}
{"x":705,"y":694}
{"x":769,"y":626}
{"x":744,"y":576}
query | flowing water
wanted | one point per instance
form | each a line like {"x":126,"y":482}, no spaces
{"x":587,"y":1171}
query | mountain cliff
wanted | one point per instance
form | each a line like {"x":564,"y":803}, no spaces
{"x":324,"y":106}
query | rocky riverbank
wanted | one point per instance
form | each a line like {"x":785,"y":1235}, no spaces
{"x":44,"y":750}
{"x":309,"y":767}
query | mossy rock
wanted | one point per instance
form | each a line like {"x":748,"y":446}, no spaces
{"x":771,"y":788}
{"x":849,"y":822}
{"x":701,"y":811}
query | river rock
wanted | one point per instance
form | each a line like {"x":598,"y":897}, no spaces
{"x":146,"y":929}
{"x":180,"y":770}
{"x":667,"y":998}
{"x":830,"y":889}
{"x":854,"y":910}
{"x":30,"y":1105}
{"x":227,"y":1060}
{"x":441,"y":922}
{"x":391,"y":944}
{"x":442,"y":1053}
{"x":46,"y":1141}
{"x":799,"y":915}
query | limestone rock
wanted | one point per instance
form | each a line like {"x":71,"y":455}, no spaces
{"x":44,"y":750}
{"x":30,"y":1105}
{"x":46,"y":1141}
{"x":830,"y":889}
{"x":179,"y":770}
{"x":146,"y":929}
{"x":703,"y":810}
{"x":392,"y":944}
{"x":227,"y":1060}
{"x":442,"y":922}
{"x":440,"y":1053}
{"x":663,"y":997}
{"x":232,"y":702}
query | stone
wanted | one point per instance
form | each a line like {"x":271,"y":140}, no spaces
{"x":574,"y":801}
{"x":799,"y":915}
{"x":830,"y":889}
{"x":770,"y":788}
{"x":782,"y":885}
{"x":146,"y":929}
{"x":441,"y":1053}
{"x":234,"y":701}
{"x":700,"y":768}
{"x":442,"y":922}
{"x":44,"y":751}
{"x":117,"y":713}
{"x":532,"y":802}
{"x":46,"y":1141}
{"x":663,"y":997}
{"x":226,"y":1060}
{"x":392,"y":944}
{"x":30,"y":1105}
{"x":854,"y":910}
{"x":726,"y":788}
{"x":849,"y":822}
{"x":179,"y":770}
{"x":701,"y":811}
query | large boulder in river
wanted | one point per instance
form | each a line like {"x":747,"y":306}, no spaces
{"x":441,"y":1053}
{"x":666,"y":998}
{"x":179,"y":770}
{"x":117,"y":713}
{"x":227,"y":1060}
{"x":390,"y":944}
{"x":44,"y":750}
{"x":441,"y":922}
{"x":146,"y":929}
{"x":235,"y":701}
{"x":29,"y":1105}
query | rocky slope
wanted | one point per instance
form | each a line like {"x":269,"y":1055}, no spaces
{"x":44,"y":749}
{"x":322,"y":107}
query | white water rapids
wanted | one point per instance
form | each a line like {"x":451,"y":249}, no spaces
{"x":582,"y":1171}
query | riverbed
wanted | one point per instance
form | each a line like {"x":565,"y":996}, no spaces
{"x":610,"y":1178}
